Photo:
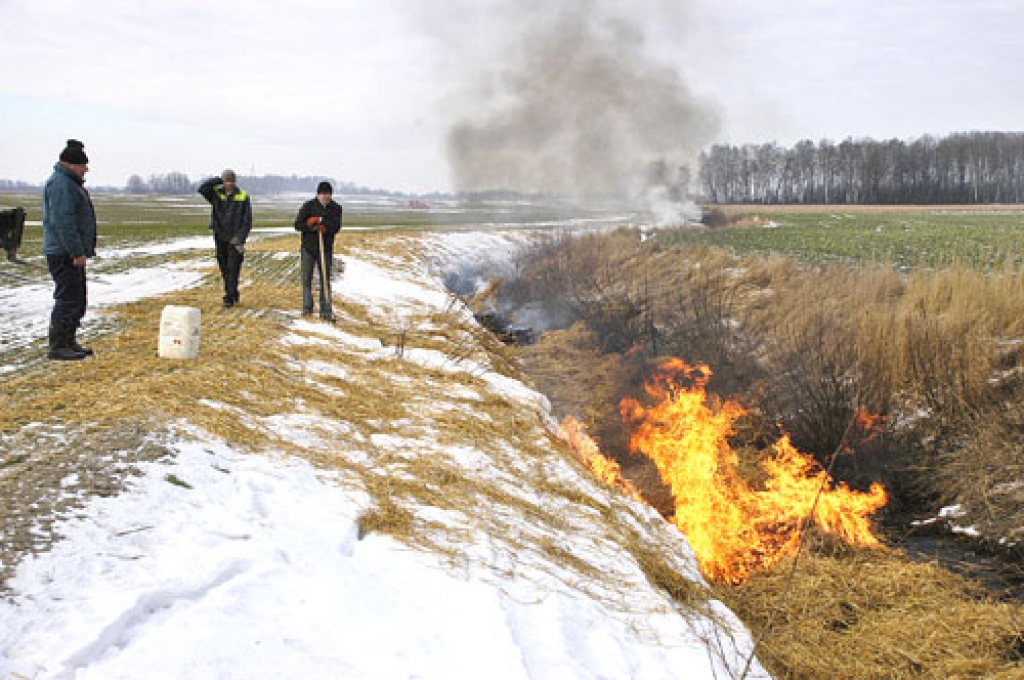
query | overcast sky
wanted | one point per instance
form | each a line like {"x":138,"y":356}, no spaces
{"x":368,"y":91}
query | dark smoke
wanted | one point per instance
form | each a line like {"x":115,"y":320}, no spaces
{"x":577,"y":107}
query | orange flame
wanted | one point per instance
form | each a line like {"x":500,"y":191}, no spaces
{"x":865,"y":427}
{"x":574,"y":433}
{"x":734,"y":529}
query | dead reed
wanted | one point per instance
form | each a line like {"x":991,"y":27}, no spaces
{"x":937,"y":352}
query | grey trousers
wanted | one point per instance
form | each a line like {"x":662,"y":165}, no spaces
{"x":307,"y":262}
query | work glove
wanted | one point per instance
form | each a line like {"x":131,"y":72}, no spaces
{"x":313,"y":221}
{"x":322,"y":228}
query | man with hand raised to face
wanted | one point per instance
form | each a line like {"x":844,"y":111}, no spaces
{"x":230,"y":221}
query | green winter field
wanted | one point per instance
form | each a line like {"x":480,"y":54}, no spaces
{"x":908,"y":237}
{"x":134,"y":220}
{"x":128,"y":220}
{"x":988,"y":238}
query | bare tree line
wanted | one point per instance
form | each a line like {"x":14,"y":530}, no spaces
{"x":972,"y":167}
{"x":179,"y":183}
{"x":265,"y":185}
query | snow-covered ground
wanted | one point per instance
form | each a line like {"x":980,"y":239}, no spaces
{"x":218,"y":563}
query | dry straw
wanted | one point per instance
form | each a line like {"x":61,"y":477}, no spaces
{"x":875,"y":614}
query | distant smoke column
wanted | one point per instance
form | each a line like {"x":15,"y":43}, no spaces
{"x":575,"y":108}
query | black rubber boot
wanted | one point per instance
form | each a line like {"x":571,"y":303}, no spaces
{"x":87,"y":351}
{"x":60,"y":344}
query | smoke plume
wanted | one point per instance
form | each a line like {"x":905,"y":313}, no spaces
{"x":575,"y":105}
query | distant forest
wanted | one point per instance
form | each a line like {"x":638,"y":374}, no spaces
{"x":973,"y":167}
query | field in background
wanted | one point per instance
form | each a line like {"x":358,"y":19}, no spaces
{"x":907,"y":237}
{"x":132,"y":220}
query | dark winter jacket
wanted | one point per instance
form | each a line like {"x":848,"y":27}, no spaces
{"x":69,"y":221}
{"x":331,"y":214}
{"x":231,"y":216}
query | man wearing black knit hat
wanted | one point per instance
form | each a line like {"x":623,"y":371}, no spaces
{"x":319,"y":220}
{"x":69,"y":238}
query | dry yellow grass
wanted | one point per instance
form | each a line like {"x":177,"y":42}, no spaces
{"x":876,"y":615}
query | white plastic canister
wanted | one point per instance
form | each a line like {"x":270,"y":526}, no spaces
{"x":179,"y":333}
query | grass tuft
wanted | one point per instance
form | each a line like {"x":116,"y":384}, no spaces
{"x":177,"y":481}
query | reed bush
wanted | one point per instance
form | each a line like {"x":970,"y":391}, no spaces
{"x":935,"y":353}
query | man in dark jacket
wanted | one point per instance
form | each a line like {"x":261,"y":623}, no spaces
{"x":231,"y":221}
{"x":69,"y":238}
{"x":319,"y":221}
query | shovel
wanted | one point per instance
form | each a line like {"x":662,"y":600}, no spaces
{"x":325,"y":282}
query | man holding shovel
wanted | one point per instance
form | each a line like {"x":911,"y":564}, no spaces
{"x":319,"y":220}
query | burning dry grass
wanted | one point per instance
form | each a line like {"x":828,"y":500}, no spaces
{"x":735,"y":528}
{"x":602,"y":467}
{"x":938,"y":352}
{"x":872,"y":615}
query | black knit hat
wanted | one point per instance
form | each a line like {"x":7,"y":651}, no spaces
{"x":324,"y":188}
{"x":74,"y":153}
